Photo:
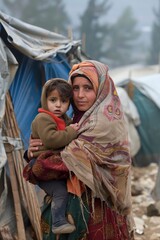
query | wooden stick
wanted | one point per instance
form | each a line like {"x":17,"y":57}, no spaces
{"x":31,"y":201}
{"x":27,"y":191}
{"x":17,"y":205}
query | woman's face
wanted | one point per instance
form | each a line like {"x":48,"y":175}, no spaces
{"x":83,"y":93}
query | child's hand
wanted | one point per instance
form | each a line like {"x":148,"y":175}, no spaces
{"x":75,"y":126}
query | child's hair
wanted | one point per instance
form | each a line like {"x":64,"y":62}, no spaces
{"x":62,"y":86}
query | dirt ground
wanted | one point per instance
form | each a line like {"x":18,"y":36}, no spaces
{"x":143,"y":181}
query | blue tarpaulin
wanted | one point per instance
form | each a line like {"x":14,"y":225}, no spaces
{"x":149,"y":130}
{"x":29,"y":56}
{"x":26,"y":89}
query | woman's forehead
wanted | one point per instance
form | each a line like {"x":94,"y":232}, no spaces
{"x":80,"y":80}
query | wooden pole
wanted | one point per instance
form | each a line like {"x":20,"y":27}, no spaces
{"x":159,"y":61}
{"x":26,"y":190}
{"x":70,"y":33}
{"x":84,"y":42}
{"x":18,"y":212}
{"x":17,"y":205}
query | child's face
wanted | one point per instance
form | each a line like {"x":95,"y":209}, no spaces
{"x":56,"y":105}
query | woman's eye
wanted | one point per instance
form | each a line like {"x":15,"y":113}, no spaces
{"x":75,"y":88}
{"x":88,"y":87}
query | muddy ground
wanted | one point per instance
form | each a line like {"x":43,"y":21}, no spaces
{"x":147,"y":223}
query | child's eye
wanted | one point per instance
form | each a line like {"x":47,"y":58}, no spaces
{"x":64,"y":100}
{"x":53,"y":99}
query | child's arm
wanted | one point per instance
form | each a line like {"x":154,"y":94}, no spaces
{"x":51,"y":137}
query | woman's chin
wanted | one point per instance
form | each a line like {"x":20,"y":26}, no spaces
{"x":82,"y":109}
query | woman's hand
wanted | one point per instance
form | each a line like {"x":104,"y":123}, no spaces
{"x":33,"y":147}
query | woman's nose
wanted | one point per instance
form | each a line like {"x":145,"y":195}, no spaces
{"x":81,"y":93}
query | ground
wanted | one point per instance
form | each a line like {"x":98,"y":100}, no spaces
{"x":143,"y":181}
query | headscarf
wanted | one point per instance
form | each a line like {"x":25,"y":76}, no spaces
{"x":100,"y":156}
{"x":61,"y":122}
{"x":88,"y":71}
{"x":44,"y":90}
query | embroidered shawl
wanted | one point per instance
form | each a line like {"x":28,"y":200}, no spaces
{"x":100,"y":156}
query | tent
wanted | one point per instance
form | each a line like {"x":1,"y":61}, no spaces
{"x":142,"y":83}
{"x":29,"y":56}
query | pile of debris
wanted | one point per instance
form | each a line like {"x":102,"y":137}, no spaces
{"x":145,"y":209}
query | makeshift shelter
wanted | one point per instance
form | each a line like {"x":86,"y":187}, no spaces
{"x":29,"y":56}
{"x":132,"y":119}
{"x":143,"y":86}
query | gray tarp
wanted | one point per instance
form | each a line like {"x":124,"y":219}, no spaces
{"x":35,"y":43}
{"x":32,"y":41}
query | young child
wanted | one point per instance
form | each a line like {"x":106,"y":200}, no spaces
{"x":50,"y":126}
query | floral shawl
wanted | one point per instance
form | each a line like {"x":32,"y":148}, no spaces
{"x":100,"y":156}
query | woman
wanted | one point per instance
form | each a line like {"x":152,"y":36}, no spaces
{"x":98,"y":160}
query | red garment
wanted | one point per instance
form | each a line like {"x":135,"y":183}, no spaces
{"x":60,"y":122}
{"x":106,"y":224}
{"x":48,"y":165}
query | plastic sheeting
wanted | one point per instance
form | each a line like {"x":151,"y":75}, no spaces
{"x":34,"y":42}
{"x":149,"y":86}
{"x":37,"y":55}
{"x":26,"y":89}
{"x":122,"y":75}
{"x":41,"y":54}
{"x":7,"y":216}
{"x":145,"y":90}
{"x":149,"y":129}
{"x":132,"y":119}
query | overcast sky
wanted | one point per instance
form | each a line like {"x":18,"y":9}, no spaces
{"x":142,"y":9}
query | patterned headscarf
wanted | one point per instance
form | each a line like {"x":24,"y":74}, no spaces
{"x":87,"y":70}
{"x":100,"y":156}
